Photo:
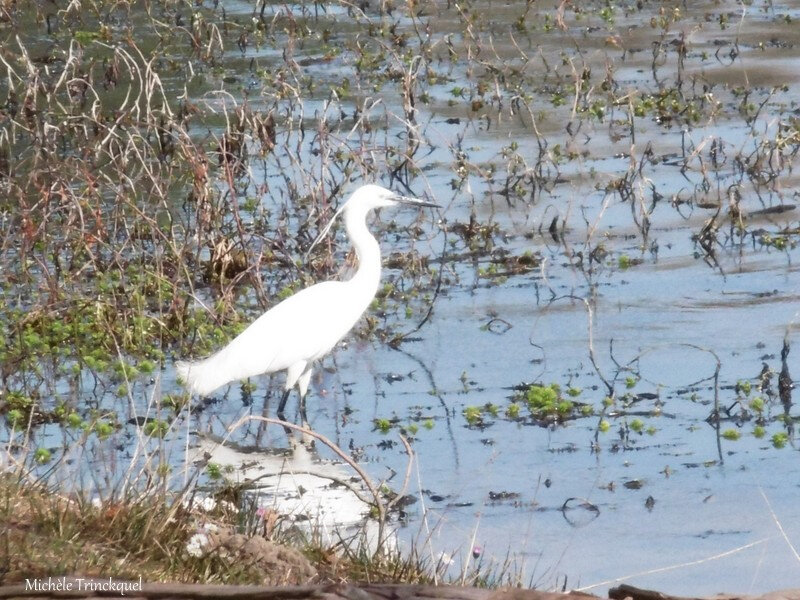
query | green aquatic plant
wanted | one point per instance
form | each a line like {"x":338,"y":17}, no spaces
{"x":512,"y":410}
{"x":125,"y":371}
{"x":546,"y":402}
{"x":156,"y":428}
{"x":42,"y":456}
{"x":248,"y":387}
{"x":757,"y":404}
{"x":86,"y":37}
{"x":473,"y":415}
{"x":542,"y":398}
{"x":103,"y":429}
{"x":731,"y":434}
{"x":214,"y":471}
{"x":16,"y":418}
{"x":780,"y":439}
{"x":383,"y":425}
{"x":174,"y":402}
{"x":19,"y":401}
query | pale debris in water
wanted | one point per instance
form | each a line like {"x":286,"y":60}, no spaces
{"x":300,"y":487}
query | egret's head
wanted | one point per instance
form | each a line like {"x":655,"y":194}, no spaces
{"x":371,"y":196}
{"x":365,"y":199}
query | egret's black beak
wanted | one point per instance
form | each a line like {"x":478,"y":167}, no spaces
{"x":414,"y":201}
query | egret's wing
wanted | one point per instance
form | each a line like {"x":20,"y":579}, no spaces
{"x":300,"y":328}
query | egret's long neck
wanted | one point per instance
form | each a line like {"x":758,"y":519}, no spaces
{"x":368,"y":274}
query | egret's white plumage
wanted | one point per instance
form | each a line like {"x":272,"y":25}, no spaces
{"x":306,"y":326}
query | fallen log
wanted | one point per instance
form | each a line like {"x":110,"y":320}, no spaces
{"x":625,"y":592}
{"x":628,"y":592}
{"x":96,"y":589}
{"x":76,"y":588}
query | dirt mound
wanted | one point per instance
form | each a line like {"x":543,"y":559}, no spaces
{"x":281,"y":565}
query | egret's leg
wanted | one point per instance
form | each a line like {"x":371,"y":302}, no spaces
{"x":303,"y":415}
{"x":282,"y":404}
{"x":302,"y":387}
{"x":293,"y":374}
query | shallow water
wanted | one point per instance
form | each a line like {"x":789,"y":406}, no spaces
{"x":718,"y":519}
{"x":701,"y":514}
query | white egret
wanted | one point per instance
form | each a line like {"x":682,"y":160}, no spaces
{"x":307,"y":325}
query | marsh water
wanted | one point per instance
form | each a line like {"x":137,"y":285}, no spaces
{"x":619,"y":217}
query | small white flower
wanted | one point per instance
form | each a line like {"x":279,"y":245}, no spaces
{"x":208,"y":528}
{"x":196,"y":544}
{"x":207,"y":504}
{"x":204,"y":503}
